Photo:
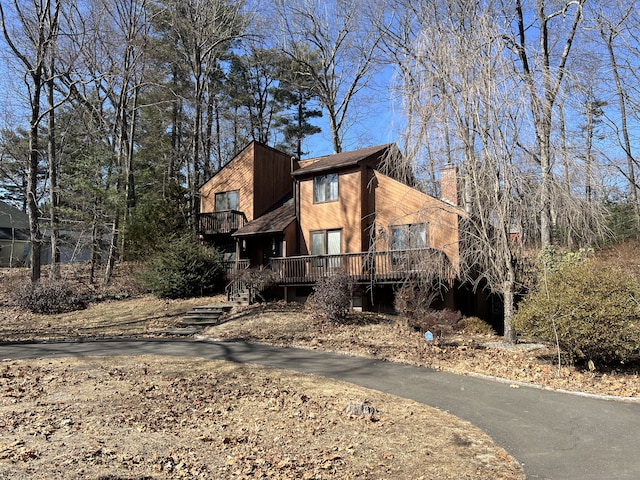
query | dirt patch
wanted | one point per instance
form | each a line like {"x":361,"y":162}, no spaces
{"x":149,"y":417}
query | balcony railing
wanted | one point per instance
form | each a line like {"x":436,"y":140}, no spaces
{"x":215,"y":223}
{"x":386,"y":266}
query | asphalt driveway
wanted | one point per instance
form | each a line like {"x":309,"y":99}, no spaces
{"x":555,"y":435}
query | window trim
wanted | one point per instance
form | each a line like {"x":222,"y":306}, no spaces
{"x":326,"y":186}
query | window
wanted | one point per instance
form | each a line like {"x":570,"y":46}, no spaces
{"x":326,"y":242}
{"x":404,"y":237}
{"x":325,"y":188}
{"x":226,"y":201}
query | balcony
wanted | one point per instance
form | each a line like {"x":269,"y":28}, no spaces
{"x":225,"y":222}
{"x":380,"y":267}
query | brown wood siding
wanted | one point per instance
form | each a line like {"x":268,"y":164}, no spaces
{"x":343,"y":214}
{"x":368,"y":205}
{"x":260,"y":174}
{"x":290,"y":248}
{"x":398,"y":204}
{"x":237,"y":175}
{"x":272,"y":178}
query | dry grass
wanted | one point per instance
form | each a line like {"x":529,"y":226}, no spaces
{"x":149,"y":417}
{"x":146,"y":417}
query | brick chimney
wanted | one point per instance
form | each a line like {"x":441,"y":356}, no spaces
{"x":449,"y":184}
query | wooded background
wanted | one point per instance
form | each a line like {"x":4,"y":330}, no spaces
{"x":114,"y":112}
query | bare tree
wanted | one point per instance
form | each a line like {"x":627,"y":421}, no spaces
{"x":463,"y":106}
{"x":612,"y":26}
{"x":204,"y":30}
{"x":335,"y":47}
{"x":31,"y":40}
{"x":107,"y":81}
{"x":543,"y":69}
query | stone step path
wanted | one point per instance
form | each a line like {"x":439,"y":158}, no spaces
{"x":197,"y":319}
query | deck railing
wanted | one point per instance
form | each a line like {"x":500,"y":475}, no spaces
{"x":363,"y":266}
{"x":231,"y":266}
{"x":214,"y":223}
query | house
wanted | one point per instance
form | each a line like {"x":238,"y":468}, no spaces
{"x":307,"y":219}
{"x":251,"y":185}
{"x":14,"y":236}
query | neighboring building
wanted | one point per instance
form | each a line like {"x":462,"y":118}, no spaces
{"x":305,"y":219}
{"x":14,"y":236}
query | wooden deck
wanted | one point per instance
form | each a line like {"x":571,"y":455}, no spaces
{"x":379,"y":267}
{"x":216,"y":223}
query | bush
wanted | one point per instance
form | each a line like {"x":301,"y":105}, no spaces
{"x":593,"y":310}
{"x":439,"y":322}
{"x":256,"y":280}
{"x":474,"y":326}
{"x":331,"y":298}
{"x":185,"y":269}
{"x":414,"y":302}
{"x":49,"y":297}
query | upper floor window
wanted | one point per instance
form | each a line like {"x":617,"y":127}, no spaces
{"x":226,"y":201}
{"x":325,"y":188}
{"x":404,"y":237}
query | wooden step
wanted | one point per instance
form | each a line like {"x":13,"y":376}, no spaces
{"x":214,"y":308}
{"x":182,"y":331}
{"x":197,"y":323}
{"x":202,"y":316}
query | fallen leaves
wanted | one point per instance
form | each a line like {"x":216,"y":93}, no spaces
{"x":184,"y":419}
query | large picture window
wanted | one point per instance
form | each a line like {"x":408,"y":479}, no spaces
{"x":226,"y":201}
{"x":325,"y":188}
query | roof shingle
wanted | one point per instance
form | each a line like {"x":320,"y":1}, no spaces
{"x":274,"y":221}
{"x":339,"y":160}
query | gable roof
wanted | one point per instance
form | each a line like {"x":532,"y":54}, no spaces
{"x":253,"y":143}
{"x":274,"y":221}
{"x":339,"y":160}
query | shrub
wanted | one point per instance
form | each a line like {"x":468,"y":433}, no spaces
{"x":593,"y":310}
{"x":474,"y":326}
{"x":256,"y":280}
{"x":185,"y":269}
{"x":331,"y":298}
{"x":553,"y":258}
{"x":439,"y":322}
{"x":49,"y":297}
{"x":414,"y":302}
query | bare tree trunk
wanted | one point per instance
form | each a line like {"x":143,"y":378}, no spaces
{"x":54,"y":273}
{"x":39,"y":28}
{"x":130,"y":186}
{"x":113,"y":250}
{"x":32,"y":190}
{"x":508,"y":289}
{"x":543,"y":97}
